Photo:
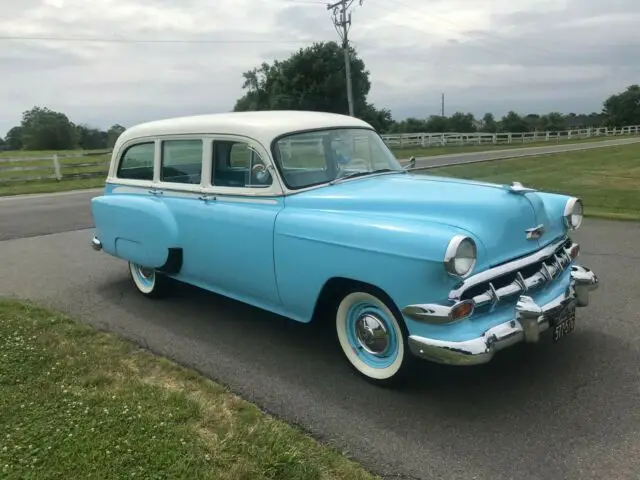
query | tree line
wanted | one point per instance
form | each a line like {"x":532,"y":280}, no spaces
{"x":313,"y":78}
{"x":44,"y":129}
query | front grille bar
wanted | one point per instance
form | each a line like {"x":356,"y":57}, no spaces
{"x":555,"y":260}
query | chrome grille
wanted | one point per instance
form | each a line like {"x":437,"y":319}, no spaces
{"x":517,"y":277}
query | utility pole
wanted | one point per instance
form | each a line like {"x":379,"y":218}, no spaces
{"x":342,"y":22}
{"x":443,"y":104}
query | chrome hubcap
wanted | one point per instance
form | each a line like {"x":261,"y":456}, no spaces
{"x":147,"y":273}
{"x":372,"y":334}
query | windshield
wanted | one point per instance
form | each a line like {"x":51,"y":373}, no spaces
{"x":312,"y":158}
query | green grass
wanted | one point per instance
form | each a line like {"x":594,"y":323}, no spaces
{"x":607,"y":179}
{"x":77,"y":403}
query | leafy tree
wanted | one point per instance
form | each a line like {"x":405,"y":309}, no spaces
{"x":462,"y":122}
{"x":91,"y":138}
{"x":489,"y":124}
{"x":312,"y":79}
{"x":113,"y":133}
{"x":437,"y":124}
{"x":44,"y":129}
{"x":623,"y":108}
{"x":552,"y":122}
{"x":14,"y":138}
{"x":410,"y":125}
{"x":381,"y":119}
{"x":512,"y":122}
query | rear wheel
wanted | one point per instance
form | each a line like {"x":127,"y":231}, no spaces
{"x":148,"y":281}
{"x":373,"y":337}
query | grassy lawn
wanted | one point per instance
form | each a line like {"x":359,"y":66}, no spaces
{"x":607,"y":179}
{"x":50,"y":186}
{"x":77,"y":403}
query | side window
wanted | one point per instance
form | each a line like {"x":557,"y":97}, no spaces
{"x":181,"y":161}
{"x":237,"y":164}
{"x":137,"y":162}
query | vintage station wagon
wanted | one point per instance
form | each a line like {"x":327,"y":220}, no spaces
{"x":309,"y":215}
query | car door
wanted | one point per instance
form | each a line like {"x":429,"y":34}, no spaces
{"x":228,"y":230}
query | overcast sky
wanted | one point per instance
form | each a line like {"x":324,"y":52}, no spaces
{"x":485,"y":55}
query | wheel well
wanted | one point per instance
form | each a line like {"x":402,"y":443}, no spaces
{"x":335,"y":287}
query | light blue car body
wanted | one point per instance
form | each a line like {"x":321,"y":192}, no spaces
{"x":388,"y":230}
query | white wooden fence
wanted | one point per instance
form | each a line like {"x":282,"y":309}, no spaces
{"x":92,"y":164}
{"x":426,"y":140}
{"x":56,"y":166}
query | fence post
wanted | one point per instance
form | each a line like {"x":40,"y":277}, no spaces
{"x":56,"y":167}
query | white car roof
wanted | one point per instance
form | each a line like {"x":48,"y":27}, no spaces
{"x":263,"y":126}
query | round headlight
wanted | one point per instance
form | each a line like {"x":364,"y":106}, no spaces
{"x":573,"y":213}
{"x":460,"y":256}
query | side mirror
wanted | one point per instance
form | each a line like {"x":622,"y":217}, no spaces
{"x":261,"y":173}
{"x":411,"y":164}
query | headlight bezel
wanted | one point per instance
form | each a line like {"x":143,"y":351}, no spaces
{"x":570,"y":211}
{"x":457,"y":243}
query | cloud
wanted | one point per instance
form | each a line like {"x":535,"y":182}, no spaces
{"x":485,"y":55}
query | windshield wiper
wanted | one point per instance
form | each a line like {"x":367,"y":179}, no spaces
{"x":363,"y":173}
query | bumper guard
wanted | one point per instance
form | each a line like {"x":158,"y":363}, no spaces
{"x":96,"y":244}
{"x":529,"y":320}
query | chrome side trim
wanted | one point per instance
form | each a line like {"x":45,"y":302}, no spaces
{"x":96,"y":244}
{"x":506,"y":268}
{"x":195,"y":193}
{"x":529,"y":321}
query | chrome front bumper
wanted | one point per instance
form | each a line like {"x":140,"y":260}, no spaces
{"x":96,"y":244}
{"x":529,"y":320}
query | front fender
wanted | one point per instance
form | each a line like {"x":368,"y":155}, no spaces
{"x":402,"y":256}
{"x":554,"y":204}
{"x":136,"y":228}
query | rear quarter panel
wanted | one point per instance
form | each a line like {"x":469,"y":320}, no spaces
{"x":134,"y":227}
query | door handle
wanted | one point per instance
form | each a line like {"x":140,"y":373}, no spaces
{"x":207,"y":198}
{"x":155,"y":191}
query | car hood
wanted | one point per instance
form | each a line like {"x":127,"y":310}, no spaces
{"x":491,"y":213}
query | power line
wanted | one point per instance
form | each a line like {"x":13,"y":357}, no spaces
{"x":142,"y":40}
{"x":342,"y":23}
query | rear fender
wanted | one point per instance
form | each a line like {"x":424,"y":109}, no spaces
{"x":137,"y":228}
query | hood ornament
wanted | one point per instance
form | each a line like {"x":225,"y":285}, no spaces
{"x":516,"y":187}
{"x":535,"y":233}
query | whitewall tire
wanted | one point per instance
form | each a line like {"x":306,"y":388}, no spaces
{"x":148,"y":281}
{"x":372,"y":337}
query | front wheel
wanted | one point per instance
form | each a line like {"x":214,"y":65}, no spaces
{"x":372,"y":337}
{"x":147,"y":281}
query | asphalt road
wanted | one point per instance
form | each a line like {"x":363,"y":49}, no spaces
{"x":567,"y":411}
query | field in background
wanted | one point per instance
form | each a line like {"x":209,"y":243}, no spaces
{"x":44,"y":172}
{"x":607,"y":179}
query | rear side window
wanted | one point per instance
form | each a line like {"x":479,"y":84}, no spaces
{"x":181,"y":161}
{"x":137,"y":162}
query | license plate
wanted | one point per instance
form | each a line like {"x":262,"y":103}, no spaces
{"x":564,"y":324}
